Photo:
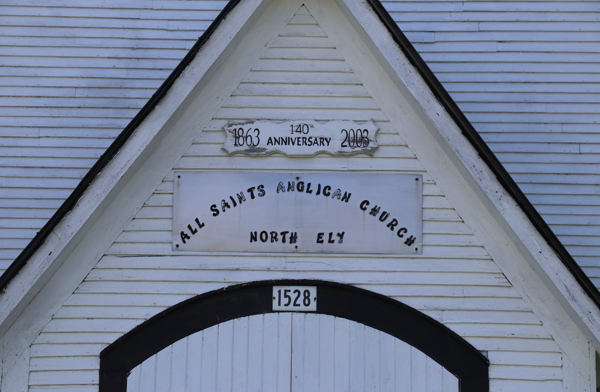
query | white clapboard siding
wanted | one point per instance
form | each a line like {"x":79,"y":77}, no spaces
{"x":524,"y":72}
{"x":290,"y":352}
{"x":73,"y":75}
{"x":454,"y":280}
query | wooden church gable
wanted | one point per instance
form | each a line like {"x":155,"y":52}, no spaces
{"x":476,"y":263}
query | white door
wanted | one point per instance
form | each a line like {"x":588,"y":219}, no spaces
{"x":290,"y":352}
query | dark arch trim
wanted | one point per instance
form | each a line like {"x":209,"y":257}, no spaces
{"x":335,"y":299}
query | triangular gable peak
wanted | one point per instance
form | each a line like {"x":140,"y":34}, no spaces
{"x":368,"y":57}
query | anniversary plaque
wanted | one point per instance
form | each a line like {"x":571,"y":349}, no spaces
{"x":300,"y":138}
{"x":226,"y":211}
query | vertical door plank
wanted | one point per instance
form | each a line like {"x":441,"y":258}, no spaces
{"x":312,"y":367}
{"x":240,"y":354}
{"x":284,"y":352}
{"x":179,"y":366}
{"x":208,"y":380}
{"x":194,"y":361}
{"x":434,"y":376}
{"x":147,"y":379}
{"x":326,"y":353}
{"x":419,"y":370}
{"x":270,"y":338}
{"x":298,"y":352}
{"x":342,"y":355}
{"x":403,"y":366}
{"x":371,"y":358}
{"x":387,"y":362}
{"x":163,"y":369}
{"x":255,"y":353}
{"x":225,"y":357}
{"x":357,"y":357}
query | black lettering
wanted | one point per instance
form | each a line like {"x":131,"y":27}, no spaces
{"x":293,"y":141}
{"x":300,"y":186}
{"x":184,"y":236}
{"x":384,"y":215}
{"x":410,"y":240}
{"x":241,"y":197}
{"x":274,"y":236}
{"x":251,"y":192}
{"x":401,"y":232}
{"x":277,"y":141}
{"x":283,"y":234}
{"x":328,"y":139}
{"x":304,"y":141}
{"x":319,"y":238}
{"x":293,"y":237}
{"x":192,"y":230}
{"x":341,"y":237}
{"x":269,"y":142}
{"x":392,"y":224}
{"x":364,"y":204}
{"x":375,"y":210}
{"x":291,"y":186}
{"x":261,"y":190}
{"x":331,"y":240}
{"x":326,"y":190}
{"x":200,"y":224}
{"x":322,"y":140}
{"x":280,"y":187}
{"x":318,"y":190}
{"x":224,"y":205}
{"x":346,"y":197}
{"x":233,"y":201}
{"x":214,"y":209}
{"x":337,"y":193}
{"x":253,"y":236}
{"x":264,"y":236}
{"x":308,"y":190}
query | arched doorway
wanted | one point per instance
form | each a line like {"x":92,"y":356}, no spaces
{"x":382,"y":316}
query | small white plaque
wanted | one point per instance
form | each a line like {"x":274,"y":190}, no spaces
{"x":295,"y":298}
{"x":300,"y":138}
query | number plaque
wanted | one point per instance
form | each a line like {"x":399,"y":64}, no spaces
{"x":294,"y":298}
{"x":300,"y":138}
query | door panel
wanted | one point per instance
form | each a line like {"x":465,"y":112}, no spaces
{"x":285,"y":352}
{"x":247,"y":354}
{"x":335,"y":354}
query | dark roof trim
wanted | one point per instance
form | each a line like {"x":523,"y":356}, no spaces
{"x":436,"y":87}
{"x":112,"y":150}
{"x":485,"y":152}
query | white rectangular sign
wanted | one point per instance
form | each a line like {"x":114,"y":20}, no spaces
{"x":300,"y":137}
{"x":295,"y":298}
{"x":227,"y":211}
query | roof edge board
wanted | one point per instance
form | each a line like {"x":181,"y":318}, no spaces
{"x":485,"y":152}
